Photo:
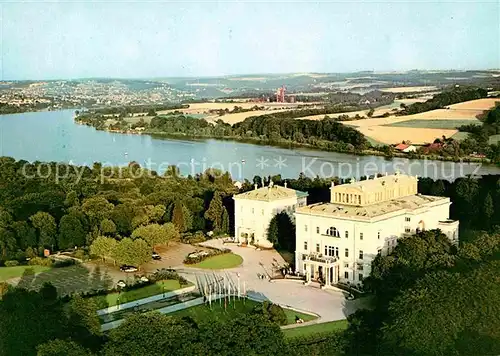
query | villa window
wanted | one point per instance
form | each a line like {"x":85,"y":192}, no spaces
{"x":337,"y":252}
{"x":360,"y":277}
{"x":378,"y":235}
{"x":262,"y":212}
{"x":407,"y":229}
{"x":305,"y":228}
{"x":346,"y":275}
{"x":347,"y":234}
{"x":346,"y":265}
{"x":317,"y":248}
{"x":346,"y":252}
{"x":361,"y":236}
{"x":332,"y":231}
{"x":317,"y":229}
{"x":360,"y":254}
{"x":407,"y":219}
{"x":360,"y":267}
{"x":379,"y":251}
{"x":305,"y":245}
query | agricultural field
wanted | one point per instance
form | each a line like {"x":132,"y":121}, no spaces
{"x":434,"y":124}
{"x":392,"y":135}
{"x":241,"y":116}
{"x":423,"y":127}
{"x":409,"y":89}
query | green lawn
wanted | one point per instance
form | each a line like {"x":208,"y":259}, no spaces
{"x":316,"y":329}
{"x":434,"y":124}
{"x":233,"y":309}
{"x":17,"y":271}
{"x":159,"y":287}
{"x":226,"y":260}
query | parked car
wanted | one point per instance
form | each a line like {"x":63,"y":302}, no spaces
{"x":144,"y":279}
{"x":121,"y":284}
{"x":126,"y":268}
{"x":156,"y":256}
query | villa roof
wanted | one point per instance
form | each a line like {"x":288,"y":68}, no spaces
{"x":401,"y":146}
{"x":271,"y":193}
{"x":404,"y":204}
{"x":378,"y":182}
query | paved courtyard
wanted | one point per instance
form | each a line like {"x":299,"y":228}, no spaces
{"x":330,"y":305}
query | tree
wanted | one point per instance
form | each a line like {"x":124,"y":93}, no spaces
{"x":281,"y":232}
{"x":157,"y":333}
{"x":468,"y":305}
{"x":25,"y":234}
{"x":17,"y":311}
{"x":132,"y":252}
{"x":71,"y":232}
{"x":153,"y":234}
{"x":97,"y":208}
{"x":107,"y":227}
{"x":46,"y":227}
{"x":214,"y":212}
{"x":488,"y":208}
{"x":225,"y":221}
{"x":181,"y":216}
{"x":103,"y":247}
{"x":84,"y":322}
{"x":71,"y":199}
{"x":62,"y":348}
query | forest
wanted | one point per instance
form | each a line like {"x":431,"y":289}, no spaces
{"x":40,"y":211}
{"x":449,"y":96}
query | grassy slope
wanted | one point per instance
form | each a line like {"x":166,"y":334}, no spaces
{"x":129,"y":296}
{"x":316,"y":329}
{"x":233,"y":309}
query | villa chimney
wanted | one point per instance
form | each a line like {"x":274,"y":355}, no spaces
{"x":255,"y":186}
{"x":333,"y":184}
{"x":285,"y":184}
{"x":386,"y":174}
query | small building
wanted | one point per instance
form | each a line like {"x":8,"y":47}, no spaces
{"x":403,"y":147}
{"x":253,"y":211}
{"x":337,"y":241}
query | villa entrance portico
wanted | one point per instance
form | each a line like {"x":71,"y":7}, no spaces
{"x":321,"y":268}
{"x":246,"y":236}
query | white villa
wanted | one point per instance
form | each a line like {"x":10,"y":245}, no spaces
{"x":253,"y":211}
{"x":337,"y":241}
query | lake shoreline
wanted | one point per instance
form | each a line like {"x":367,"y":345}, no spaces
{"x":294,"y":145}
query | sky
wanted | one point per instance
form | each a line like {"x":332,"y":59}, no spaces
{"x":124,"y":39}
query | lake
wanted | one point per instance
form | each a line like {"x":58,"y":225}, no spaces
{"x":53,"y":136}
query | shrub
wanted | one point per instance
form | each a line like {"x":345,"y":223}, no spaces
{"x":172,"y":275}
{"x":194,"y":258}
{"x":81,"y":254}
{"x":64,"y":263}
{"x":272,"y":312}
{"x":194,"y":238}
{"x":11,"y":263}
{"x":40,"y":261}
